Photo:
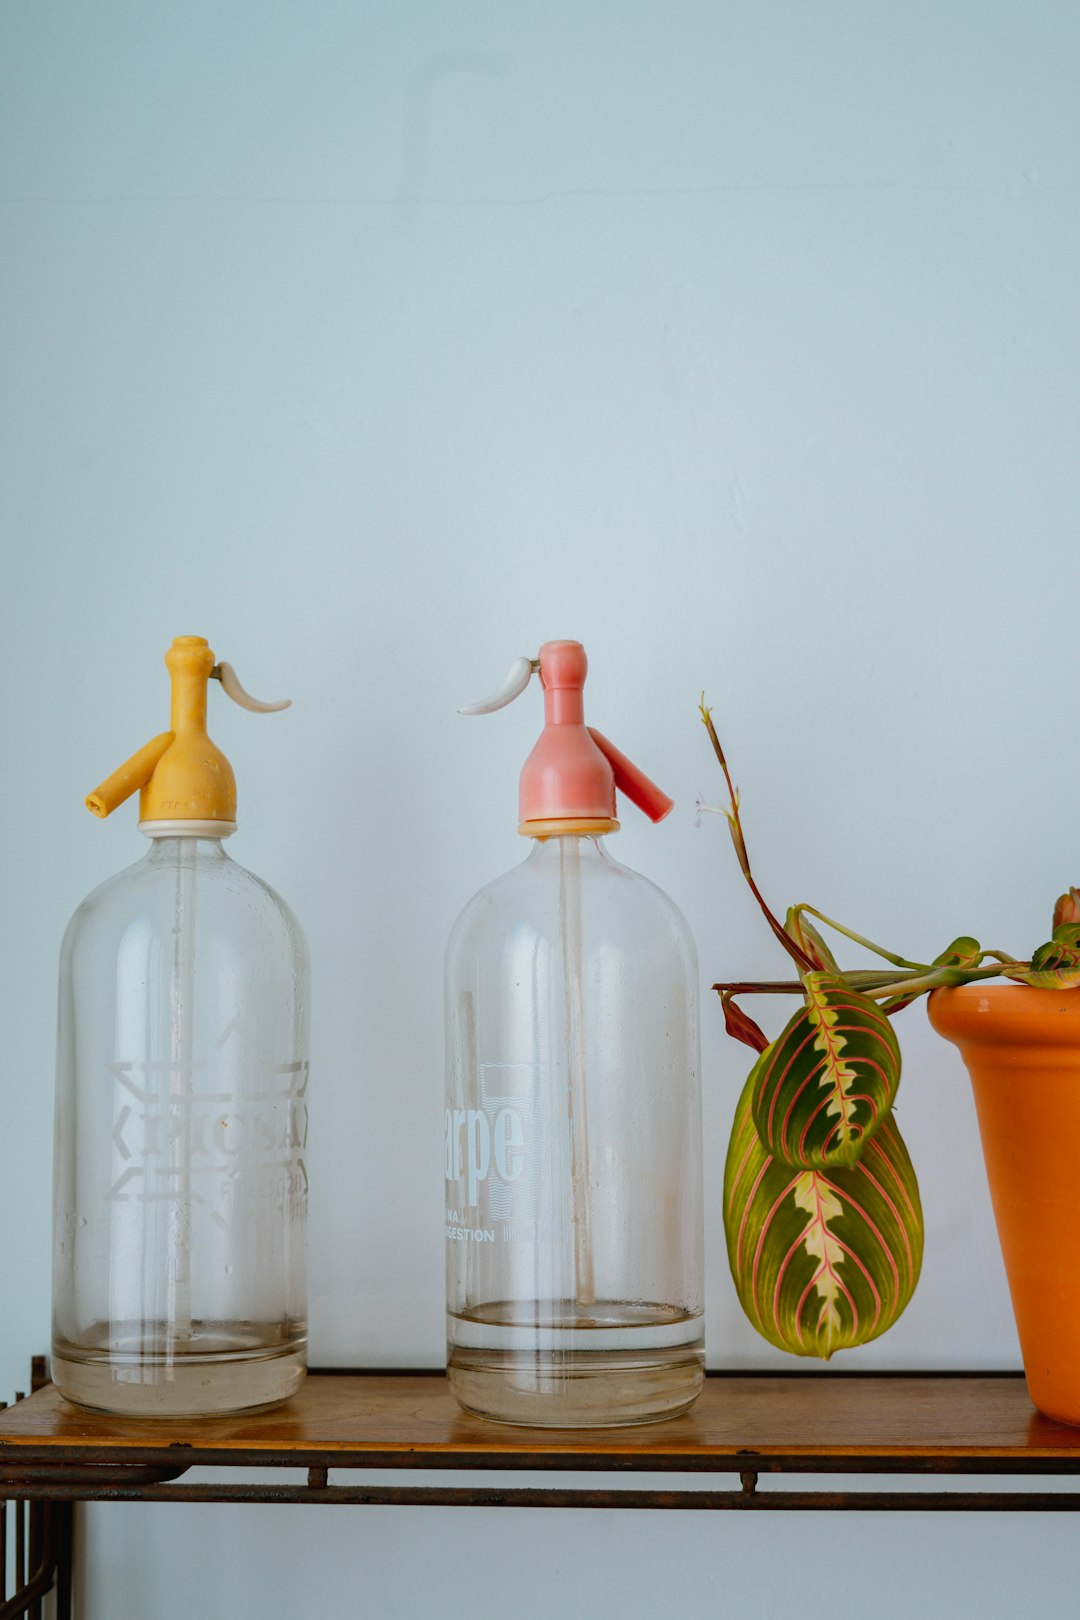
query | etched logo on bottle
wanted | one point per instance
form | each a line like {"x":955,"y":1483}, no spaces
{"x":490,"y":1159}
{"x":179,"y":1135}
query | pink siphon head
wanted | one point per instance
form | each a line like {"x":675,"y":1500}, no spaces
{"x":572,"y":773}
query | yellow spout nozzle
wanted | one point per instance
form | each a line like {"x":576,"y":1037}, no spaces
{"x":134,"y":773}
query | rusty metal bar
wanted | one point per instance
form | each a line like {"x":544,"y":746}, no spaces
{"x":50,"y":1532}
{"x":28,"y":1595}
{"x":64,"y":1553}
{"x":13,"y":1480}
{"x":29,"y":1589}
{"x":79,"y":1462}
{"x":36,"y":1552}
{"x":20,"y":1546}
{"x":751,"y":1500}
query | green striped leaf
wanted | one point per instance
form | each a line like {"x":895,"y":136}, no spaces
{"x":826,"y":1084}
{"x":822,"y":1260}
{"x":806,"y":936}
{"x":1055,"y":965}
{"x":963,"y":952}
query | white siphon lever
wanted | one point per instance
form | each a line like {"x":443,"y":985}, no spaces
{"x":521,"y":671}
{"x":227,"y":676}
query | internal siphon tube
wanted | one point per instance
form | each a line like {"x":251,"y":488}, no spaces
{"x":576,"y":1078}
{"x":181,"y":1082}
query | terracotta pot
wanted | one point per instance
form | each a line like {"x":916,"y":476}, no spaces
{"x":1022,"y":1050}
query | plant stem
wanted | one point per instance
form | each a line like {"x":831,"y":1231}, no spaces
{"x":867,"y":981}
{"x":915,"y":979}
{"x":940,"y":978}
{"x":859,"y":939}
{"x":794,"y":950}
{"x":878,"y":984}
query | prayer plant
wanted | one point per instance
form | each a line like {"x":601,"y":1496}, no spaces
{"x":822,"y":1213}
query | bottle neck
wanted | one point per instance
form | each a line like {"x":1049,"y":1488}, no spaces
{"x":584,"y":850}
{"x":167,"y":850}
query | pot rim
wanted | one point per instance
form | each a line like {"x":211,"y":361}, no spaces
{"x":1017,"y":1013}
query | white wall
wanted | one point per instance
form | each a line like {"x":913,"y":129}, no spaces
{"x":379,"y":343}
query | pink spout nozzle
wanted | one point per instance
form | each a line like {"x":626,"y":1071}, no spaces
{"x":638,"y":787}
{"x":572,"y":773}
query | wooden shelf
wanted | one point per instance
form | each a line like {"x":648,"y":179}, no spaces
{"x":742,"y":1424}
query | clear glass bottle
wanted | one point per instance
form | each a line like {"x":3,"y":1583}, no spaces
{"x":573,"y":1124}
{"x":179,"y":1276}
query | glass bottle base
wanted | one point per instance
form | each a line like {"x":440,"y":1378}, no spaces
{"x":616,"y":1365}
{"x":206,"y":1379}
